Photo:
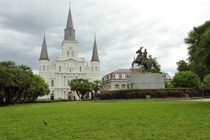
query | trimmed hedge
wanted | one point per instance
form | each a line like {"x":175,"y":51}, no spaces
{"x":154,"y":93}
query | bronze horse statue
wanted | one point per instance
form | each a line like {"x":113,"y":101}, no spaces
{"x":143,"y":60}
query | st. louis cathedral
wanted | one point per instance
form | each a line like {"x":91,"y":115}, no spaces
{"x":68,"y":66}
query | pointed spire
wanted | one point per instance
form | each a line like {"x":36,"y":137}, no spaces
{"x":95,"y":51}
{"x":44,"y":54}
{"x":69,"y":32}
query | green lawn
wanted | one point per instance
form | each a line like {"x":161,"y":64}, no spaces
{"x":134,"y":119}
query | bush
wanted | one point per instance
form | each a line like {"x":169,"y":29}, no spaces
{"x":154,"y":93}
{"x":187,"y":79}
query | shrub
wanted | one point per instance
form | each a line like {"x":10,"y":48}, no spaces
{"x":154,"y":93}
{"x":186,"y":79}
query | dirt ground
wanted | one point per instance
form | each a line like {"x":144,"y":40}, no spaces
{"x":199,"y":100}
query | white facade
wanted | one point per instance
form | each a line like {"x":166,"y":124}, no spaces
{"x":69,"y":66}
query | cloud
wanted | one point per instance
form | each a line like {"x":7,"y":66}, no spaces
{"x":121,"y":28}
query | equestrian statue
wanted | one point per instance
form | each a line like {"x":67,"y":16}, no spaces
{"x":143,"y":60}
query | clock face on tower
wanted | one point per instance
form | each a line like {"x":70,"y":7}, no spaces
{"x":71,"y":62}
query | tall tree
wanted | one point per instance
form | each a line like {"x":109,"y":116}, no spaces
{"x":182,"y":66}
{"x":198,"y":41}
{"x":95,"y":86}
{"x":157,"y":67}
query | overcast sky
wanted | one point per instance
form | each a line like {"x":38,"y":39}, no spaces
{"x":121,"y":27}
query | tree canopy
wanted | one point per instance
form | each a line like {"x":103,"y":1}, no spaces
{"x":157,"y":67}
{"x":198,"y":41}
{"x":19,"y":84}
{"x":83,"y":87}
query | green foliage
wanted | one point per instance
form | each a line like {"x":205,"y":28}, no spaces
{"x":17,"y":81}
{"x":186,"y":79}
{"x":81,"y":86}
{"x":154,"y":93}
{"x":96,"y":86}
{"x":206,"y":82}
{"x":182,"y":66}
{"x":168,"y":84}
{"x":37,"y":88}
{"x":107,"y":120}
{"x":156,"y":68}
{"x":198,"y":41}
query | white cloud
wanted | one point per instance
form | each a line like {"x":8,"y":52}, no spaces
{"x":121,"y":26}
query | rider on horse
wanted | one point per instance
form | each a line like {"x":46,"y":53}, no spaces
{"x":142,"y":59}
{"x":140,"y":56}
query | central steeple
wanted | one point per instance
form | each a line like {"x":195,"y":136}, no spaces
{"x":69,"y":32}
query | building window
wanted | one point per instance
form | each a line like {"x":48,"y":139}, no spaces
{"x":68,"y":54}
{"x":47,"y":68}
{"x":59,"y":68}
{"x":69,"y":82}
{"x":43,"y":67}
{"x":72,"y":53}
{"x":64,"y":94}
{"x":80,"y":69}
{"x":116,"y":86}
{"x":64,"y":80}
{"x":123,"y":76}
{"x":52,"y":83}
{"x":116,"y":76}
{"x":123,"y":86}
{"x":96,"y":68}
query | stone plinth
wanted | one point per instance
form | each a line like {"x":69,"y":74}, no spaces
{"x":139,"y":80}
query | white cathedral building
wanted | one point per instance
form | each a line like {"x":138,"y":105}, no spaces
{"x":68,"y":66}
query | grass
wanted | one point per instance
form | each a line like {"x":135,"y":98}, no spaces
{"x":102,"y":120}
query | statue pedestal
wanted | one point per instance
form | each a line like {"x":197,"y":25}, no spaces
{"x":139,"y":80}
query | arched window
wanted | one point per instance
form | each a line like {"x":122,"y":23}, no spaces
{"x":52,"y":96}
{"x":117,"y":86}
{"x":72,"y":53}
{"x":123,"y":86}
{"x":69,"y":82}
{"x":43,"y":67}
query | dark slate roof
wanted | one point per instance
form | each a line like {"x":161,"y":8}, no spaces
{"x":95,"y":52}
{"x":69,"y":31}
{"x":69,"y":23}
{"x":44,"y":54}
{"x":122,"y":71}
